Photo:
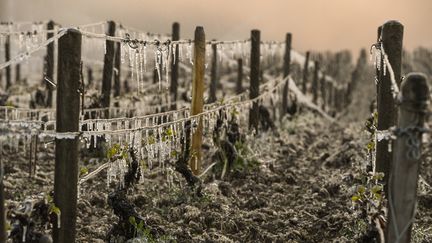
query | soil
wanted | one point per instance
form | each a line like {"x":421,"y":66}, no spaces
{"x":300,"y":191}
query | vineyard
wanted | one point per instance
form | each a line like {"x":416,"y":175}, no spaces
{"x":112,"y":134}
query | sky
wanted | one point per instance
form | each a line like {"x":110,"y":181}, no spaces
{"x":316,"y":25}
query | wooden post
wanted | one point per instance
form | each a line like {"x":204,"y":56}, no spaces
{"x":330,"y":96}
{"x":66,"y":152}
{"x":198,"y":97}
{"x":392,"y":35}
{"x":49,"y":66}
{"x":254,"y":78}
{"x":108,"y":69}
{"x":315,"y":83}
{"x":117,"y":66}
{"x":3,"y":234}
{"x":286,"y":72}
{"x":305,"y":73}
{"x":17,"y":73}
{"x":378,"y":70}
{"x":213,"y":75}
{"x":174,"y":66}
{"x":402,"y":189}
{"x":239,"y":86}
{"x":323,"y":91}
{"x":89,"y":76}
{"x":7,"y":58}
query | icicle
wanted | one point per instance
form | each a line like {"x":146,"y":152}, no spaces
{"x":138,"y":77}
{"x":174,"y":49}
{"x":105,"y":47}
{"x":190,"y":53}
{"x":123,"y":53}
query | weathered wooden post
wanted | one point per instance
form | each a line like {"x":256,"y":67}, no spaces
{"x":315,"y":83}
{"x":239,"y":85}
{"x":402,"y":188}
{"x":66,"y":150}
{"x":117,"y":66}
{"x":3,"y":234}
{"x":330,"y":96}
{"x":286,"y":72}
{"x":18,"y":73}
{"x":174,"y":66}
{"x":305,"y":73}
{"x":392,"y":35}
{"x":89,"y":76}
{"x":108,"y":69}
{"x":378,"y":71}
{"x":213,"y":75}
{"x":7,"y":58}
{"x":49,"y":62}
{"x":323,"y":91}
{"x":198,"y":97}
{"x":254,"y":115}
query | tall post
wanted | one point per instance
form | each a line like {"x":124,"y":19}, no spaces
{"x":213,"y":75}
{"x":3,"y":234}
{"x":286,"y":70}
{"x":117,"y":66}
{"x":402,"y":189}
{"x":377,"y":69}
{"x":305,"y":73}
{"x":198,"y":97}
{"x":392,"y":35}
{"x":89,"y":76}
{"x":7,"y":58}
{"x":254,"y":78}
{"x":315,"y":83}
{"x":66,"y":150}
{"x":174,"y":66}
{"x":239,"y":85}
{"x":18,"y":73}
{"x":108,"y":68}
{"x":323,"y":91}
{"x":49,"y":69}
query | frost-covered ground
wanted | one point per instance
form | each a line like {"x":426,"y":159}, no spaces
{"x":299,"y":191}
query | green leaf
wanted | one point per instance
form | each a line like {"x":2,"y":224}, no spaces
{"x":361,"y":189}
{"x":83,"y":171}
{"x":55,"y":209}
{"x":355,"y":198}
{"x":151,"y":140}
{"x":378,"y":176}
{"x":132,"y":221}
{"x":169,"y":132}
{"x":376,"y":189}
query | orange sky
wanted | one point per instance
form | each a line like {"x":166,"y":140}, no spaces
{"x":315,"y":24}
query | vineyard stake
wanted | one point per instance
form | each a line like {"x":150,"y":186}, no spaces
{"x":18,"y":73}
{"x":108,"y":69}
{"x":66,"y":150}
{"x":7,"y":58}
{"x":49,"y":70}
{"x":323,"y":91}
{"x":315,"y":83}
{"x":239,"y":85}
{"x":305,"y":73}
{"x":392,"y":35}
{"x":286,"y":70}
{"x":3,"y":234}
{"x":174,"y":65}
{"x":213,"y":75}
{"x":198,"y":97}
{"x":254,"y":78}
{"x":117,"y":73}
{"x":402,"y":188}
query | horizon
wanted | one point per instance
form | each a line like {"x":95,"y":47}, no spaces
{"x":315,"y":27}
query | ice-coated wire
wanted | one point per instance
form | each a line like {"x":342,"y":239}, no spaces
{"x":20,"y":57}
